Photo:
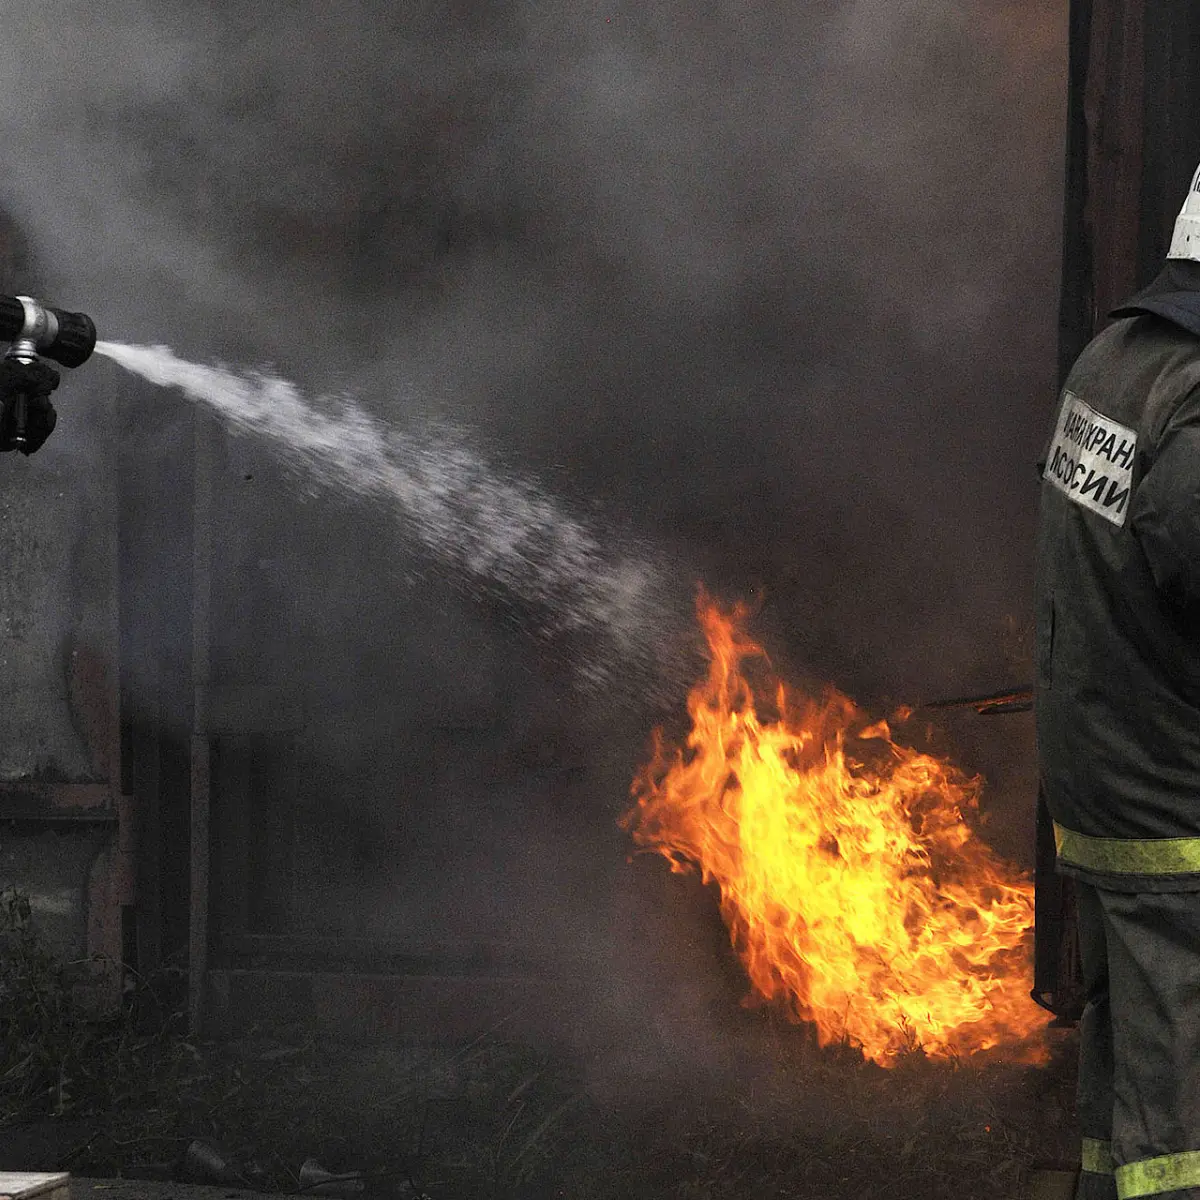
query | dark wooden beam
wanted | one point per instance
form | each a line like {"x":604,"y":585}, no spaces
{"x":201,"y":745}
{"x":1113,"y":100}
{"x":1075,"y":302}
{"x":1171,"y":123}
{"x":1110,"y":95}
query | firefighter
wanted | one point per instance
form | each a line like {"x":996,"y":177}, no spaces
{"x":1117,"y":704}
{"x":31,"y":382}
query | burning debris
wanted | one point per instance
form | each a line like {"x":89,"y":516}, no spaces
{"x":856,"y":894}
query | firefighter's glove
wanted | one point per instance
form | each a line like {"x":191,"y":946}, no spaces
{"x":34,"y":381}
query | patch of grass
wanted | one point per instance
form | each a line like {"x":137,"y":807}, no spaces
{"x":52,"y":1052}
{"x":496,"y":1120}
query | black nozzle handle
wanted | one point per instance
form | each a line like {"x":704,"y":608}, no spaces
{"x":20,"y":422}
{"x":68,"y":338}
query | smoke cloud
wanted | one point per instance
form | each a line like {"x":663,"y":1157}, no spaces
{"x":771,"y":288}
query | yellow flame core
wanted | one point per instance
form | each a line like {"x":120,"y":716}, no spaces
{"x":855,"y":893}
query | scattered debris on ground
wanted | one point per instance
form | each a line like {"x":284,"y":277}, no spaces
{"x":284,"y":1111}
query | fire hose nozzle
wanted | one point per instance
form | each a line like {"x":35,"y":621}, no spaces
{"x":37,"y":329}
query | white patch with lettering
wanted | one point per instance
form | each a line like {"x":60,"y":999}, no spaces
{"x":1091,"y":459}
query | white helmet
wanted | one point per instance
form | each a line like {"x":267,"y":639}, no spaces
{"x":1186,"y":241}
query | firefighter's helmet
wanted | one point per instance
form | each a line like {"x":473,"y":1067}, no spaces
{"x":1186,"y":241}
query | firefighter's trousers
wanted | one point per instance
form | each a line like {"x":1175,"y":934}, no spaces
{"x":1139,"y":1054}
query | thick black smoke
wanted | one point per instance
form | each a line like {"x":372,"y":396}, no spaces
{"x":779,"y":286}
{"x":771,"y":286}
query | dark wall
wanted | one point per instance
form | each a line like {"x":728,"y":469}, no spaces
{"x":1133,"y":144}
{"x":59,"y":661}
{"x":1172,"y":124}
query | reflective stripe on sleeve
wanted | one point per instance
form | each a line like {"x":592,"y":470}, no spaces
{"x":1097,"y":1156}
{"x":1153,"y":1176}
{"x":1128,"y":856}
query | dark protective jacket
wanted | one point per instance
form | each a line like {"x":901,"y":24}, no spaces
{"x":1117,"y":695}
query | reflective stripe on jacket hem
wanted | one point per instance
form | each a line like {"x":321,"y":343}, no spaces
{"x":1128,"y":856}
{"x":1153,"y":1176}
{"x":1097,"y":1156}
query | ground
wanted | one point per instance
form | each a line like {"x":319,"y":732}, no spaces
{"x":714,"y":1101}
{"x":493,"y":1119}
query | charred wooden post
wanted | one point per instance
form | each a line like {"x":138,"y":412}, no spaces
{"x":201,"y":745}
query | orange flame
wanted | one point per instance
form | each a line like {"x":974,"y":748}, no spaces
{"x":855,"y":893}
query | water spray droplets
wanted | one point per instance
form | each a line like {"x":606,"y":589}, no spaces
{"x":490,"y":530}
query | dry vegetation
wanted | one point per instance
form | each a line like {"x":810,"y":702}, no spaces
{"x":493,"y":1119}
